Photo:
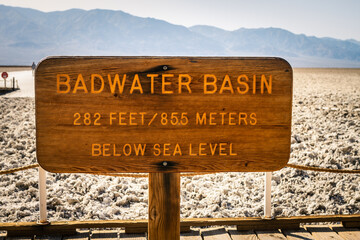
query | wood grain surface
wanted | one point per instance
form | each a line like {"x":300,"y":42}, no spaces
{"x":170,"y":115}
{"x":164,"y":206}
{"x":218,"y":233}
{"x":322,"y":232}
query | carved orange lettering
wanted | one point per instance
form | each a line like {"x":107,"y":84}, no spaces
{"x":253,"y":119}
{"x":213,"y":148}
{"x":106,"y":150}
{"x":231,"y":150}
{"x":177,"y":150}
{"x":186,"y":84}
{"x":116,"y":82}
{"x":242,"y":116}
{"x":202,"y":151}
{"x":79,"y":80}
{"x":243,"y":76}
{"x":212,"y":116}
{"x":190,"y":151}
{"x":164,"y":83}
{"x":226,"y":85}
{"x":166,"y":149}
{"x":61,"y":83}
{"x":95,"y":149}
{"x":132,"y":118}
{"x":200,"y":120}
{"x":121,"y":119}
{"x":222,"y":149}
{"x":140,"y":149}
{"x":152,"y":76}
{"x":265,"y":83}
{"x":93,"y":76}
{"x":116,"y":154}
{"x":136,"y":85}
{"x":157,"y":149}
{"x":207,"y":83}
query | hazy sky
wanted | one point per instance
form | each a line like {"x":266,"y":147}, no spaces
{"x":321,"y":18}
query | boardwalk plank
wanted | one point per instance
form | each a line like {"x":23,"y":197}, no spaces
{"x":270,"y":235}
{"x":351,"y":224}
{"x":322,"y":232}
{"x":243,"y":235}
{"x":192,"y":235}
{"x":297,"y":234}
{"x":215,"y":234}
{"x":80,"y":235}
{"x":104,"y":234}
{"x":2,"y":235}
{"x":347,"y":233}
{"x":132,"y":236}
{"x":48,"y":237}
{"x":19,"y":238}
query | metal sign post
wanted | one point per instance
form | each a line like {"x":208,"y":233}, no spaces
{"x":4,"y":75}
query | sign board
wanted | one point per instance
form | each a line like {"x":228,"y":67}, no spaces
{"x":163,"y":114}
{"x":4,"y":75}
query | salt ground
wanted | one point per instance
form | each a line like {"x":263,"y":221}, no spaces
{"x":26,"y":84}
{"x":325,"y":133}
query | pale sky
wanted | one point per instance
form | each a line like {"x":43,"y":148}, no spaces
{"x":320,"y":18}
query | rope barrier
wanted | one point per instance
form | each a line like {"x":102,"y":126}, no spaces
{"x":18,"y":169}
{"x":140,"y":175}
{"x":318,"y":169}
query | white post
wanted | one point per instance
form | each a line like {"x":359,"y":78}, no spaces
{"x":267,"y":195}
{"x":42,"y":195}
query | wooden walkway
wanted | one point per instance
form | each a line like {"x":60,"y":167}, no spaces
{"x":317,"y":232}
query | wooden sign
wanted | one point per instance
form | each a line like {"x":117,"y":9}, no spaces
{"x":163,"y":114}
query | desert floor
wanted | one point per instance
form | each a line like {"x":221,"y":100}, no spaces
{"x":325,"y":133}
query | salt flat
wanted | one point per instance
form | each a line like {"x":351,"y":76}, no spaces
{"x":325,"y":133}
{"x":26,"y":84}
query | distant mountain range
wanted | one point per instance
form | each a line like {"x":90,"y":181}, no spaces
{"x":28,"y":35}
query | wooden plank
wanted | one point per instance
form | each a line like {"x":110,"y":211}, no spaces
{"x":191,"y":235}
{"x":40,"y":231}
{"x":132,"y":236}
{"x":79,"y":235}
{"x":48,"y":237}
{"x":347,"y":233}
{"x":351,"y":224}
{"x":14,"y":237}
{"x":270,"y":225}
{"x":72,"y":225}
{"x":145,"y":229}
{"x":270,"y":235}
{"x":164,"y":206}
{"x":134,"y":230}
{"x":254,"y":221}
{"x":322,"y":232}
{"x":104,"y":234}
{"x":242,"y":235}
{"x":193,"y":107}
{"x":215,"y":234}
{"x":297,"y":234}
